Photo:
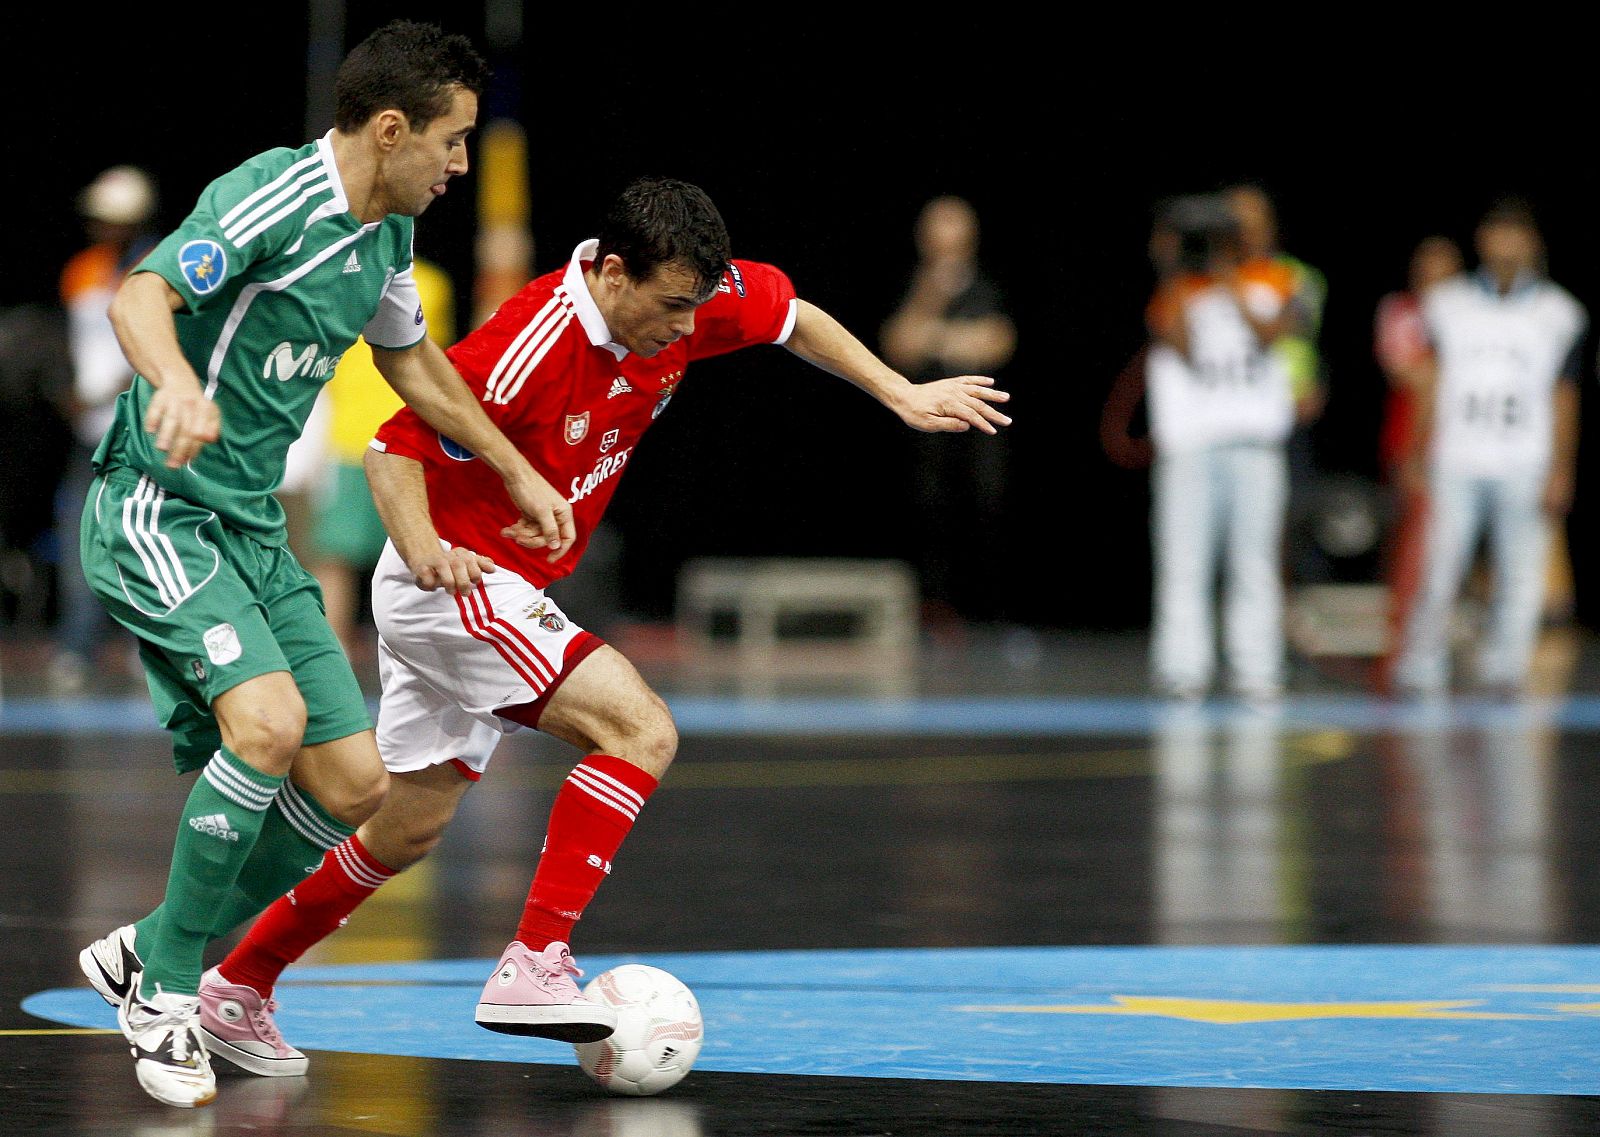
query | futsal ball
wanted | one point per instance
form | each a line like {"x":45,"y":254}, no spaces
{"x":658,"y":1033}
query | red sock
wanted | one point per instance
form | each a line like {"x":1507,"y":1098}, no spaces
{"x":594,"y":809}
{"x":306,"y":914}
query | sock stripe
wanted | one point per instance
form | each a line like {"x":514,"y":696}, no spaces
{"x":596,"y":788}
{"x":357,"y":868}
{"x":616,"y":784}
{"x":306,"y":821}
{"x":236,"y":786}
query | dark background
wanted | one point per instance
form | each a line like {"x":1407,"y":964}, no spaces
{"x":819,"y":138}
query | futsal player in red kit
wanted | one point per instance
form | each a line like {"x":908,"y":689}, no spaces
{"x":573,"y":369}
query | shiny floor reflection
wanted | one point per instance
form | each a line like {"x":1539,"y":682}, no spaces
{"x":1239,"y":828}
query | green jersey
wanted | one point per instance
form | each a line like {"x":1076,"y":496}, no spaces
{"x":279,"y":279}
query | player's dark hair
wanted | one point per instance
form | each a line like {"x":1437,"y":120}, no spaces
{"x":659,"y":221}
{"x":1512,"y":210}
{"x":409,"y":67}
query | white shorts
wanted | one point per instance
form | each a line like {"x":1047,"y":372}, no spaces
{"x":460,"y":672}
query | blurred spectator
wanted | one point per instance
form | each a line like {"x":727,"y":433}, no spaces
{"x":118,"y":209}
{"x":1502,"y":431}
{"x":1220,"y":410}
{"x":1405,"y":355}
{"x":35,"y":383}
{"x":953,"y":321}
{"x":1298,"y":350}
{"x":346,"y":536}
{"x":1130,"y":448}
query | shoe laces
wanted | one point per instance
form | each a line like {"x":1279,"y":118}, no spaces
{"x":262,"y":1018}
{"x":177,"y":1024}
{"x":558,"y":963}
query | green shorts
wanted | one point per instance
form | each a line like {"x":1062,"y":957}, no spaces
{"x":347,"y":526}
{"x":212,"y":608}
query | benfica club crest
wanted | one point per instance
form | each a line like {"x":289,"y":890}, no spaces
{"x":577,"y":428}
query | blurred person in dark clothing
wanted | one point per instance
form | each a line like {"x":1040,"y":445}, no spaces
{"x":35,"y":381}
{"x":953,"y":321}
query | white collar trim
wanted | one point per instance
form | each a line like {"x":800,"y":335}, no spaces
{"x":594,"y":324}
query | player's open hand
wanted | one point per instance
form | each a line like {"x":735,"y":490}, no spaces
{"x":182,"y":420}
{"x":546,"y":521}
{"x":962,"y":403}
{"x":457,"y":570}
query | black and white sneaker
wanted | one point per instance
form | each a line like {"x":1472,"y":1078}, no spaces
{"x":169,"y":1057}
{"x":111,"y":965}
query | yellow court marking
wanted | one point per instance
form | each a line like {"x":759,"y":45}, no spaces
{"x":1232,"y":1012}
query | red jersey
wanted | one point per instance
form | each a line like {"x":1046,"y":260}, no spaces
{"x":573,"y":402}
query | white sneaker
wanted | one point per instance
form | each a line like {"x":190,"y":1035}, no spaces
{"x":111,"y":965}
{"x":168,"y":1056}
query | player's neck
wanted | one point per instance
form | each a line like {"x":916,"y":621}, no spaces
{"x":359,"y":174}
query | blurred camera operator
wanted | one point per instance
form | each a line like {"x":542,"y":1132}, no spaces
{"x":1221,"y":408}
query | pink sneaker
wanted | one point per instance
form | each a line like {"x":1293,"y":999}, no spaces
{"x":534,"y":993}
{"x":236,"y":1024}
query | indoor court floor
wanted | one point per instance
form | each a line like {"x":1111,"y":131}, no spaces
{"x":1000,"y":892}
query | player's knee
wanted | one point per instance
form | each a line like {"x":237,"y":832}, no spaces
{"x":268,"y":737}
{"x":655,"y":741}
{"x":358,"y":797}
{"x":408,"y":842}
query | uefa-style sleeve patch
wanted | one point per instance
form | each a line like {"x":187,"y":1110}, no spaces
{"x":203,"y":264}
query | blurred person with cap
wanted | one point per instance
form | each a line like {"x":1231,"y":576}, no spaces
{"x":118,"y":208}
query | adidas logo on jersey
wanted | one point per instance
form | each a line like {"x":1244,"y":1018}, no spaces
{"x":619,"y":386}
{"x":214,"y":825}
{"x":353,"y":264}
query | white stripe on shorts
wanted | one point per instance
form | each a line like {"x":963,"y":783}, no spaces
{"x":477,"y":613}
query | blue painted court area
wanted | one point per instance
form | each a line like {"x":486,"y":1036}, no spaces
{"x":1518,"y":1020}
{"x":699,"y":716}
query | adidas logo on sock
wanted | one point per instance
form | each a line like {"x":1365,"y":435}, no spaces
{"x":215,"y":825}
{"x":353,"y":264}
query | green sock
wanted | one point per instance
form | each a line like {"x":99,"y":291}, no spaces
{"x":295,"y":835}
{"x":221,"y":822}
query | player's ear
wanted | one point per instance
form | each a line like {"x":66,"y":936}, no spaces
{"x":388,"y":127}
{"x":613,"y":271}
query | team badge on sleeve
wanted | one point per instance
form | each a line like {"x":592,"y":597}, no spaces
{"x":577,"y":428}
{"x":203,"y":264}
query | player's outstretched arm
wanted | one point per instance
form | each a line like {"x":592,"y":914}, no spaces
{"x":961,"y":403}
{"x":179,"y":415}
{"x":400,"y":491}
{"x":424,"y":377}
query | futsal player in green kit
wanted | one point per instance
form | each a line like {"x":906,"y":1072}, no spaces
{"x":233,"y":323}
